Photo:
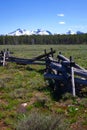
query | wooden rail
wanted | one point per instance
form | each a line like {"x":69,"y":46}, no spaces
{"x":63,"y":70}
{"x":5,"y":56}
{"x":67,"y":71}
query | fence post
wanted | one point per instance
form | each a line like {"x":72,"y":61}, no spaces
{"x":7,"y":53}
{"x":46,"y":59}
{"x":51,"y":52}
{"x":72,"y":76}
{"x":58,"y":57}
{"x":4,"y":56}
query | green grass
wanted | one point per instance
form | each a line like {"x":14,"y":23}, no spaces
{"x":25,"y":84}
{"x":28,"y":51}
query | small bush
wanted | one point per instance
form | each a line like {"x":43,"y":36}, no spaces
{"x":2,"y":83}
{"x":60,"y":111}
{"x":83,"y":102}
{"x":40,"y":102}
{"x":39,"y":121}
{"x":18,"y":93}
{"x":67,"y":96}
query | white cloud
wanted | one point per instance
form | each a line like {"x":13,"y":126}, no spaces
{"x":60,"y":15}
{"x":62,"y":22}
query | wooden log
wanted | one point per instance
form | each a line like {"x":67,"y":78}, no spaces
{"x":33,"y":59}
{"x":80,"y":72}
{"x":75,"y":65}
{"x":23,"y":59}
{"x":52,"y":60}
{"x":61,"y":57}
{"x":53,"y":76}
{"x":80,"y":81}
{"x":43,"y":55}
{"x":25,"y":62}
{"x":67,"y":63}
{"x":56,"y":66}
{"x":60,"y":69}
{"x":79,"y":67}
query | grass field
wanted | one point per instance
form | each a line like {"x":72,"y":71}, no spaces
{"x":77,"y":51}
{"x":23,"y":91}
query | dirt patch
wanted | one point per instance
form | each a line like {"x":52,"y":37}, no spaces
{"x":3,"y":126}
{"x":78,"y":125}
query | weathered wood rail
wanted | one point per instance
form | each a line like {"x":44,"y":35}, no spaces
{"x":5,"y":56}
{"x":63,"y":70}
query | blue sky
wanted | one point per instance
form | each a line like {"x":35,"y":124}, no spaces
{"x":57,"y":16}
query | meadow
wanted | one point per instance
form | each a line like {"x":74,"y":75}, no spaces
{"x":25,"y":96}
{"x":28,"y":51}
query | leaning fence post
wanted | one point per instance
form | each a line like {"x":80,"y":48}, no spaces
{"x":72,"y":76}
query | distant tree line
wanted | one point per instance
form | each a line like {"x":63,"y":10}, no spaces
{"x":44,"y":39}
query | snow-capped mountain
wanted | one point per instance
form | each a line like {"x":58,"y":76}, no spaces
{"x":70,"y":32}
{"x":20,"y":32}
{"x":79,"y":32}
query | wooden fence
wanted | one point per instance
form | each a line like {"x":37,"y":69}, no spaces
{"x":5,"y":56}
{"x":66,"y":71}
{"x":62,"y":70}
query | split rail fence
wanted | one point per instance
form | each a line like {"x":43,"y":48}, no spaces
{"x":66,"y":71}
{"x":62,"y":70}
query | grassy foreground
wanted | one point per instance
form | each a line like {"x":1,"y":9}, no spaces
{"x":24,"y":91}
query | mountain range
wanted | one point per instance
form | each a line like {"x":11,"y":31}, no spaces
{"x":20,"y":32}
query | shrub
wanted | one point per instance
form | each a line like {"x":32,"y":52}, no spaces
{"x":67,"y":96}
{"x":72,"y":109}
{"x":2,"y":83}
{"x":18,"y":93}
{"x":40,"y":102}
{"x":39,"y":121}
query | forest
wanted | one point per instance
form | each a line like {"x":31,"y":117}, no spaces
{"x":56,"y":39}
